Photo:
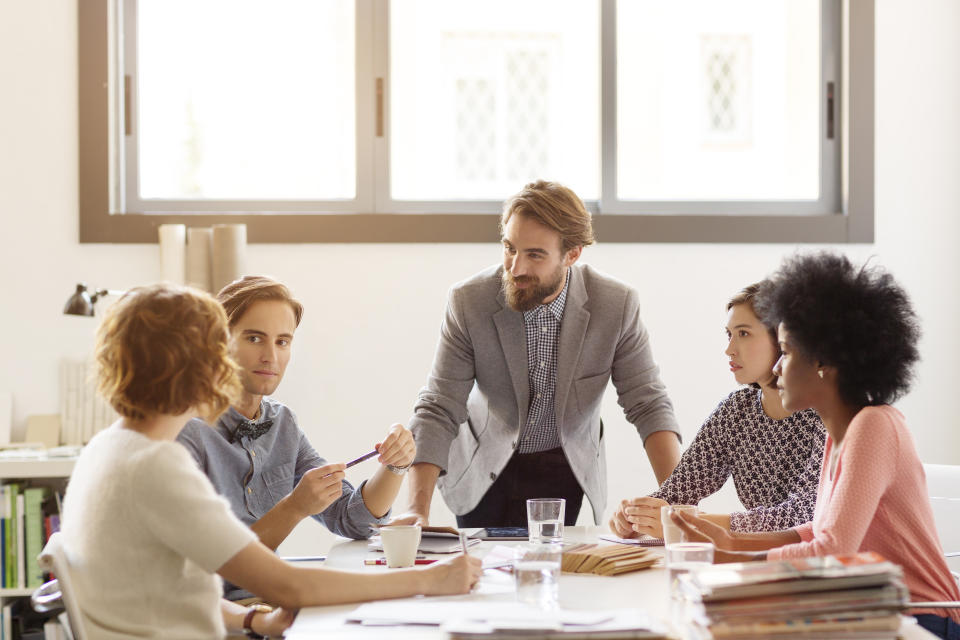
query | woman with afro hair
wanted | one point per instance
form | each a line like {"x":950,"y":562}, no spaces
{"x":848,"y":337}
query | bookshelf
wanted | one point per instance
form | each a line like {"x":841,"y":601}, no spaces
{"x":44,"y":471}
{"x":37,"y":468}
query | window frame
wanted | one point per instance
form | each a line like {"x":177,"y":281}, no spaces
{"x":99,"y":102}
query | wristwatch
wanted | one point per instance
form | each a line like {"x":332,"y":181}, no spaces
{"x":253,"y":610}
{"x":398,"y":470}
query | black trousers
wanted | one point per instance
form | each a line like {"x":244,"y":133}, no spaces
{"x":545,"y":474}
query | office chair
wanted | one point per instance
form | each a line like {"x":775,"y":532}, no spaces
{"x":943,"y":485}
{"x":57,"y":594}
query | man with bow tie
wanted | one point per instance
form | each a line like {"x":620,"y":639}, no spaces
{"x":258,"y":458}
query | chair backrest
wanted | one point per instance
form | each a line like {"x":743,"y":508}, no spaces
{"x":943,"y":485}
{"x":54,"y":559}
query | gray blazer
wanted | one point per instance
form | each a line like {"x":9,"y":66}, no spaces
{"x":480,"y":379}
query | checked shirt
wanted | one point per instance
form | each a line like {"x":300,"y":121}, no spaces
{"x":542,"y":328}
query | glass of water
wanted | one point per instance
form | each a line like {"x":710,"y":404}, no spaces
{"x":683,"y":557}
{"x":536,"y":569}
{"x":545,"y":520}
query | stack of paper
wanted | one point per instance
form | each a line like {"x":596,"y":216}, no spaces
{"x":618,"y":625}
{"x":83,"y":411}
{"x":461,"y":620}
{"x":606,"y":560}
{"x":857,"y":596}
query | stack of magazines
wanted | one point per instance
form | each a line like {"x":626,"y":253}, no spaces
{"x":855,"y":596}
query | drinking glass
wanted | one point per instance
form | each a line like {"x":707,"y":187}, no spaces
{"x":536,"y":570}
{"x":545,"y":520}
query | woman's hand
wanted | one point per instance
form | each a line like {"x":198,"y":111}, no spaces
{"x":453,"y":575}
{"x":725,"y":547}
{"x":638,"y":516}
{"x":273,"y":624}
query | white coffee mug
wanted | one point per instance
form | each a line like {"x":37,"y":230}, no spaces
{"x":400,"y":544}
{"x":671,"y":532}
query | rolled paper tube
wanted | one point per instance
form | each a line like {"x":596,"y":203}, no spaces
{"x":199,"y":258}
{"x":173,"y":244}
{"x":229,"y":253}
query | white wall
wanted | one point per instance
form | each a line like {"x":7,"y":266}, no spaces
{"x":373,"y":310}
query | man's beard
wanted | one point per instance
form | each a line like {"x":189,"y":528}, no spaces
{"x":532,"y":296}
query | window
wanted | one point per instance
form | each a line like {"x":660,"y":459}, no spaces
{"x":412,"y":120}
{"x":228,"y":113}
{"x":488,"y":96}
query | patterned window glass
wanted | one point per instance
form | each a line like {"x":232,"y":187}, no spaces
{"x":718,"y":100}
{"x":485,"y":97}
{"x":528,"y":114}
{"x":727,"y":88}
{"x":476,"y":129}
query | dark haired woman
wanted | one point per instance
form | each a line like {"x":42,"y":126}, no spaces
{"x":774,"y":455}
{"x":848,"y":337}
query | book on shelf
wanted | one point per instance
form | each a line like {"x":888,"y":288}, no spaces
{"x":33,"y":498}
{"x":21,"y":557}
{"x":10,"y":492}
{"x":28,"y":516}
{"x":83,"y":411}
{"x":6,"y":624}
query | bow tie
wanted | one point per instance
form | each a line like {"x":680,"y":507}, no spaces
{"x":252,"y":430}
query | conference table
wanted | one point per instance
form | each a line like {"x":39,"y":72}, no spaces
{"x":646,"y":589}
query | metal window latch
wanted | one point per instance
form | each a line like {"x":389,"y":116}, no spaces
{"x":379,"y":123}
{"x":829,"y":111}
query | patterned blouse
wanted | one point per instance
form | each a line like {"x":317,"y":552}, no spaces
{"x":775,"y":464}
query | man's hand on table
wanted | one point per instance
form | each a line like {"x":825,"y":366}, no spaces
{"x":410,"y":518}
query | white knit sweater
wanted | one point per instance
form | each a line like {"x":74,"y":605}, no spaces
{"x":144,"y":532}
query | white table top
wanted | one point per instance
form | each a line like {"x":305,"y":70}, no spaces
{"x":645,"y":589}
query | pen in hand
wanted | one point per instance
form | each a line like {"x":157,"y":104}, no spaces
{"x":463,"y":542}
{"x":365,"y":456}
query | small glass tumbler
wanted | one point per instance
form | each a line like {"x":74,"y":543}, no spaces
{"x":681,"y":558}
{"x":536,"y":570}
{"x":545,"y":520}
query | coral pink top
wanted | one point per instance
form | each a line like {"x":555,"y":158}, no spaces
{"x":877,"y":501}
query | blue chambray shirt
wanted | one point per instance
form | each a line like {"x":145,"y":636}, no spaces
{"x":254,"y":475}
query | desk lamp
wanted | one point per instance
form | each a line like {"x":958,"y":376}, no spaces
{"x":81,"y":303}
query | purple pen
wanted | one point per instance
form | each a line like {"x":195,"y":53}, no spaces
{"x":365,"y":456}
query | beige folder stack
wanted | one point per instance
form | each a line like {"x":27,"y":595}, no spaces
{"x":606,"y":560}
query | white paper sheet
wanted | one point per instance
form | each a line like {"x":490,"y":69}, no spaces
{"x":432,"y":612}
